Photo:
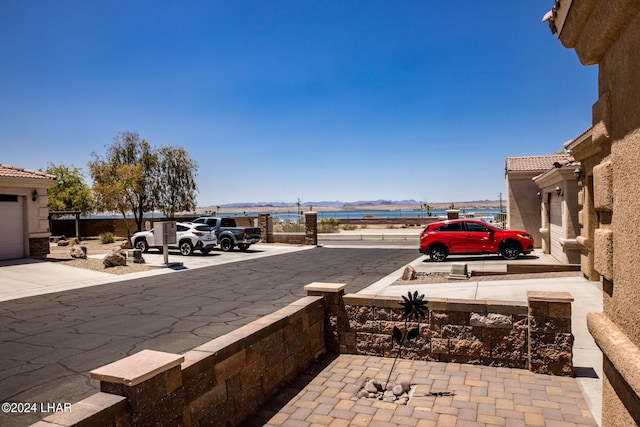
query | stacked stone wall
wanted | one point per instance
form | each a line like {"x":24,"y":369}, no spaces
{"x":535,"y":335}
{"x":224,"y":381}
{"x":38,"y":247}
{"x":221,"y":382}
{"x":478,"y":332}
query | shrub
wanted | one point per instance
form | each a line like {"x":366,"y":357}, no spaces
{"x":349,"y":227}
{"x":330,"y":225}
{"x":106,"y":237}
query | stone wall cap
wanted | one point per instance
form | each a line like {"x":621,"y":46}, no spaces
{"x":137,"y":368}
{"x":549,"y":296}
{"x":100,"y":405}
{"x":325,"y":287}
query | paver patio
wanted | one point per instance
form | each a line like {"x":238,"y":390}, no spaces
{"x":478,"y":396}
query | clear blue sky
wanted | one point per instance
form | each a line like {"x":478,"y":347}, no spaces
{"x":280,"y":100}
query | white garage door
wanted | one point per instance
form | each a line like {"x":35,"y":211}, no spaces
{"x":555,"y":226}
{"x":11,"y":227}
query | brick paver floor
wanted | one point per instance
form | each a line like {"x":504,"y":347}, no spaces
{"x":478,"y":396}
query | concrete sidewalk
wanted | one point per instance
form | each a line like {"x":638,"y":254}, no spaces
{"x":28,"y":277}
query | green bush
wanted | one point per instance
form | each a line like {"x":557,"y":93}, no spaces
{"x":330,"y":225}
{"x":106,"y":237}
{"x":293,"y":227}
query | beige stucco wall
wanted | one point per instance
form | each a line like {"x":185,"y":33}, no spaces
{"x":607,"y":33}
{"x":523,"y":206}
{"x":546,"y":184}
{"x":36,"y":213}
{"x":589,"y":157}
{"x":618,"y":77}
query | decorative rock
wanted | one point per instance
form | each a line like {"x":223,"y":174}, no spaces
{"x":397,"y":390}
{"x":375,"y":389}
{"x":491,"y":320}
{"x":125,"y":245}
{"x":409,"y":273}
{"x":370,"y":387}
{"x":116,"y":257}
{"x":388,"y":396}
{"x":79,"y":252}
{"x":63,"y":242}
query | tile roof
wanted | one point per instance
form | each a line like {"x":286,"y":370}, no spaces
{"x":14,"y":172}
{"x":535,"y":163}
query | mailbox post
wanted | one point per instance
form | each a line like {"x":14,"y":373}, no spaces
{"x":165,"y":234}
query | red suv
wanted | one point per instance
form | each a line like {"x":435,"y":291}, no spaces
{"x":467,"y":236}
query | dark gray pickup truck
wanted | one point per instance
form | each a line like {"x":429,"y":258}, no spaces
{"x":229,"y":234}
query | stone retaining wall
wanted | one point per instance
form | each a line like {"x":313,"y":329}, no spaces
{"x":221,"y":382}
{"x":225,"y":380}
{"x":476,"y":332}
{"x":535,"y":335}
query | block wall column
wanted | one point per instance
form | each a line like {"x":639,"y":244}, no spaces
{"x":311,"y":228}
{"x":550,"y":339}
{"x":152,"y":383}
{"x":335,"y":315}
{"x":266,"y":232}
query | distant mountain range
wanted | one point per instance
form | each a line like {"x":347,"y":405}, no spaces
{"x":360,"y":203}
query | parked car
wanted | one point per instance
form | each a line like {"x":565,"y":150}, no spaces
{"x":189,"y":237}
{"x":229,"y":234}
{"x":467,"y":236}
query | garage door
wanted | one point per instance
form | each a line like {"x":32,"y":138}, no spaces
{"x":555,"y":226}
{"x":11,"y":227}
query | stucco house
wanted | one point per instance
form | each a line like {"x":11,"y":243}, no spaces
{"x":558,"y":197}
{"x":523,"y":203}
{"x":24,"y":224}
{"x":607,"y":33}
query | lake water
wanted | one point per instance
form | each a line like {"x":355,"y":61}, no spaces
{"x":293,"y":215}
{"x":396,"y":213}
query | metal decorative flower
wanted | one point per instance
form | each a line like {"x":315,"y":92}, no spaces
{"x":414,"y":306}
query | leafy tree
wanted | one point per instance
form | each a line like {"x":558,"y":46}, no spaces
{"x":70,"y":192}
{"x":175,"y":185}
{"x":123,"y":178}
{"x":133,"y":177}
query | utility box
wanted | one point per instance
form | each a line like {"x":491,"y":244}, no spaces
{"x":165,"y":233}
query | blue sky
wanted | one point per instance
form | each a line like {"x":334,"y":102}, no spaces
{"x":280,"y":100}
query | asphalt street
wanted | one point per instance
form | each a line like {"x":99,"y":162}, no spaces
{"x":49,"y":343}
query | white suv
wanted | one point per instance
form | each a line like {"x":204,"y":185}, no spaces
{"x":189,"y":237}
